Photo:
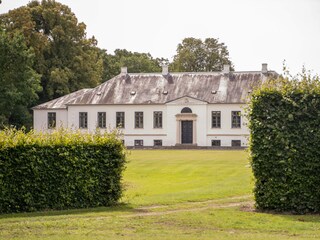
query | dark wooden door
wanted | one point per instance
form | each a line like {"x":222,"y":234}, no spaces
{"x":186,"y":132}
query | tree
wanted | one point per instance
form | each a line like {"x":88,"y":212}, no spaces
{"x":19,"y":83}
{"x":194,"y":55}
{"x":66,"y":59}
{"x":136,"y":62}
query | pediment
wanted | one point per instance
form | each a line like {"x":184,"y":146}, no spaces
{"x":186,"y":100}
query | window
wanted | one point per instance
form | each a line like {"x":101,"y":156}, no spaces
{"x":236,"y":119}
{"x":120,"y":119}
{"x":83,"y":120}
{"x":236,"y":143}
{"x":157,"y":119}
{"x":216,"y":119}
{"x":138,"y":143}
{"x":186,"y":110}
{"x":51,"y":120}
{"x":157,"y":143}
{"x":138,"y":120}
{"x":215,"y":143}
{"x":101,"y":119}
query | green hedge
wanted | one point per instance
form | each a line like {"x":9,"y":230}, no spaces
{"x":284,"y":120}
{"x":62,"y":170}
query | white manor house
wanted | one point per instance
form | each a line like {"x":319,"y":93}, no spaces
{"x":161,"y":109}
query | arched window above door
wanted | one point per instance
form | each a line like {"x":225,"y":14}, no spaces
{"x":186,"y":110}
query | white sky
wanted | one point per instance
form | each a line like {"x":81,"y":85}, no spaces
{"x":255,"y":31}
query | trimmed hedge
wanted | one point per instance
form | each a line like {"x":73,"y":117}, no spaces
{"x":61,"y":170}
{"x":284,"y":120}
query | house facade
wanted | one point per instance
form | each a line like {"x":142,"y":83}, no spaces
{"x":160,"y":109}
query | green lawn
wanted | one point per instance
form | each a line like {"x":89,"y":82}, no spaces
{"x":189,"y":194}
{"x":166,"y":177}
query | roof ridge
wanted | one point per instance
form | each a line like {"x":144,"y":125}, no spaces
{"x":215,"y":72}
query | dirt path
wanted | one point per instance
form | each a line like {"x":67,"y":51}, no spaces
{"x":186,"y":207}
{"x":195,"y":203}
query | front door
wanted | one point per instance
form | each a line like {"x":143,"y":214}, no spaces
{"x":186,"y":132}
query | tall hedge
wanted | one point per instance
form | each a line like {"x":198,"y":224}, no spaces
{"x":284,"y":120}
{"x":61,"y":170}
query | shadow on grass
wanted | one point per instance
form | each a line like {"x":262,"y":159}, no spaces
{"x":313,"y":218}
{"x":120,"y":207}
{"x":288,"y":216}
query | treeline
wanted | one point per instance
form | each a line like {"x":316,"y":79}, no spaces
{"x":45,"y":53}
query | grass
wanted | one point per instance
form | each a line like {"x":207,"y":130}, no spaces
{"x":171,"y":195}
{"x":165,"y":177}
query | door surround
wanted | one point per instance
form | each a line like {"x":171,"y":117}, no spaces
{"x":186,"y":117}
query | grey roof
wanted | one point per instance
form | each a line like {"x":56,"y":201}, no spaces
{"x":155,"y":88}
{"x":60,"y":103}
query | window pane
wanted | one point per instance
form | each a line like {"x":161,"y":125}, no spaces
{"x":216,"y":143}
{"x":83,"y":120}
{"x":51,"y":120}
{"x":157,"y":119}
{"x":101,"y":119}
{"x":138,"y":119}
{"x":138,"y":143}
{"x":236,"y":119}
{"x":216,"y":119}
{"x":157,"y":143}
{"x":236,"y":143}
{"x":120,"y":121}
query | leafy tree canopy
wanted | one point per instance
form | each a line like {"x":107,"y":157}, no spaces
{"x":66,"y":59}
{"x":19,"y":83}
{"x":136,"y":62}
{"x":195,"y":55}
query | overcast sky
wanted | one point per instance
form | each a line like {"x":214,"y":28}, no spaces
{"x":255,"y":31}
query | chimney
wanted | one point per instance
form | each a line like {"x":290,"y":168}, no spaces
{"x":124,"y":71}
{"x":226,"y":68}
{"x":264,"y":69}
{"x":165,"y":69}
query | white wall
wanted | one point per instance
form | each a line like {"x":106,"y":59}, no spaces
{"x":168,"y":133}
{"x":130,"y":132}
{"x":198,"y":107}
{"x":226,"y":133}
{"x":40,"y":119}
